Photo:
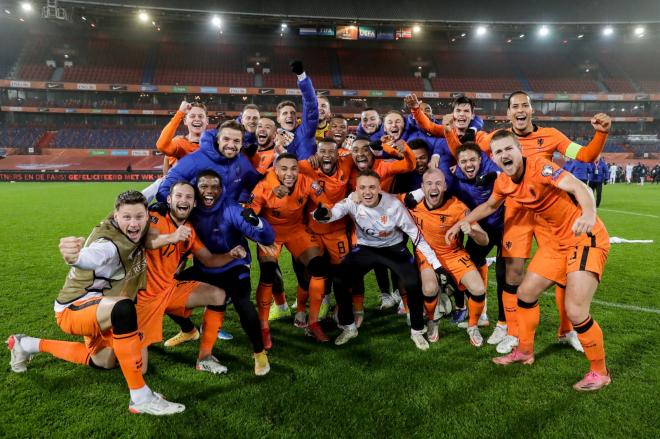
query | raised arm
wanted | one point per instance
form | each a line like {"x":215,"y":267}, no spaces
{"x":602,"y":124}
{"x":164,"y":142}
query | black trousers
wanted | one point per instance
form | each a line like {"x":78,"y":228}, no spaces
{"x":478,"y":255}
{"x":361,"y":260}
{"x":598,"y":191}
{"x":236,"y":283}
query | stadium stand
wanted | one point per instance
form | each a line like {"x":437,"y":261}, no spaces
{"x":377,"y":69}
{"x":211,"y":65}
{"x":317,"y":61}
{"x":474,"y":71}
{"x":19,"y":137}
{"x":111,"y":137}
{"x":552,"y":72}
{"x":103,"y":61}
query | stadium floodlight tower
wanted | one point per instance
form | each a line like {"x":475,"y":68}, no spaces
{"x":52,"y":11}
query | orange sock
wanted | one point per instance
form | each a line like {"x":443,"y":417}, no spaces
{"x":510,"y":302}
{"x":127,"y":349}
{"x":211,"y":324}
{"x":280,"y":298}
{"x":565,"y":325}
{"x":429,"y":306}
{"x":528,"y":321}
{"x":591,"y":338}
{"x":358,"y":302}
{"x":475,"y":308}
{"x":316,"y":291}
{"x":301,"y":299}
{"x":264,"y":299}
{"x":70,"y":351}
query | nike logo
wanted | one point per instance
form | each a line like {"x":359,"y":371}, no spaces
{"x":52,"y":85}
{"x":117,"y":87}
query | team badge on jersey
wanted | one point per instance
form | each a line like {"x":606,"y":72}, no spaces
{"x":547,"y":171}
{"x":316,"y":187}
{"x":383,"y":219}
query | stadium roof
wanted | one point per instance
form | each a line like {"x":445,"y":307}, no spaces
{"x":488,"y":11}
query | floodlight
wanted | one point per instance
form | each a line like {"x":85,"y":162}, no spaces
{"x":27,"y":7}
{"x":143,"y":16}
{"x":640,"y":31}
{"x":215,"y":21}
{"x":608,"y":31}
{"x":544,"y":31}
{"x":481,"y":31}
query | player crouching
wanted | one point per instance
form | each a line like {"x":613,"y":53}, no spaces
{"x":380,"y":222}
{"x":434,"y":216}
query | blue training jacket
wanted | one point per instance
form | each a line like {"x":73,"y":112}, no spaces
{"x":598,"y":172}
{"x":222,"y":228}
{"x":579,"y":169}
{"x":304,"y":141}
{"x":248,"y":138}
{"x":472,"y":195}
{"x":238,"y":175}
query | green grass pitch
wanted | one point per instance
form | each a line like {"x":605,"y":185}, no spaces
{"x":379,"y":385}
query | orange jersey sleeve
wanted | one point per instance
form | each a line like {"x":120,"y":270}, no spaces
{"x":425,"y":123}
{"x":164,"y":142}
{"x":388,"y":168}
{"x":482,"y":139}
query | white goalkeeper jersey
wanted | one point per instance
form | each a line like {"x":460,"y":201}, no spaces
{"x":383,"y":225}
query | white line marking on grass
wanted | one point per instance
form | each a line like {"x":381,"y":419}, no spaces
{"x":629,"y":213}
{"x":618,"y":305}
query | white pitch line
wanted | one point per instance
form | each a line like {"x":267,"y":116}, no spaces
{"x":603,"y":303}
{"x":617,"y":305}
{"x":629,"y":213}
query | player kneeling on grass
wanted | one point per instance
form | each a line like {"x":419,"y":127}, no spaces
{"x":434,"y":216}
{"x":380,"y":222}
{"x":96,"y":302}
{"x":578,"y":260}
{"x":173,"y":239}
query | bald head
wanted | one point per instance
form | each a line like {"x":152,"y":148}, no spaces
{"x":434,"y":187}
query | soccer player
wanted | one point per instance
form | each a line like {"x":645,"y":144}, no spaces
{"x":96,"y":302}
{"x":262,"y":160}
{"x":434,"y":217}
{"x":281,"y":200}
{"x":195,"y":119}
{"x":325,"y":114}
{"x":333,"y":174}
{"x":380,"y":222}
{"x":222,"y":224}
{"x":614,"y":169}
{"x":362,"y":151}
{"x":303,"y":143}
{"x":220,"y":151}
{"x":520,"y":224}
{"x":569,"y":210}
{"x":474,"y":178}
{"x":175,"y":239}
{"x":370,"y":125}
{"x":338,"y":130}
{"x":249,"y":118}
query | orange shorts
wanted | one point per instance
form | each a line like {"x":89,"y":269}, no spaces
{"x":556,"y":264}
{"x":151,"y":309}
{"x":457,"y":264}
{"x":336,"y":244}
{"x":549,"y":263}
{"x":80,"y":319}
{"x":297,"y":243}
{"x":521,"y":226}
{"x":584,"y":258}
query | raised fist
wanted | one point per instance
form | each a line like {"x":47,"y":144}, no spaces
{"x":601,"y":122}
{"x":411,"y":101}
{"x":297,"y":67}
{"x":70,"y":248}
{"x":185,"y":106}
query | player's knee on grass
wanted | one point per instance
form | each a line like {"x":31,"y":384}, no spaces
{"x":123,"y":317}
{"x":268,"y":272}
{"x":515,"y":270}
{"x":318,"y":267}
